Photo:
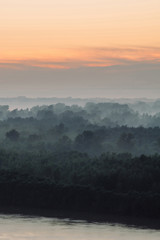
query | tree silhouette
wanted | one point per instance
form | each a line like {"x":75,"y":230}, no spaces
{"x":13,"y":135}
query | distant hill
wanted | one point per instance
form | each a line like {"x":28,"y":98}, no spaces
{"x":142,"y":105}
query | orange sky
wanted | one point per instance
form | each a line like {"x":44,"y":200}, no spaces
{"x":69,"y":34}
{"x":80,"y":48}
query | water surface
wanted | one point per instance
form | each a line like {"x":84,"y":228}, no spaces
{"x":18,"y":227}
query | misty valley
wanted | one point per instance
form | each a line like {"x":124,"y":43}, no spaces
{"x":97,"y":158}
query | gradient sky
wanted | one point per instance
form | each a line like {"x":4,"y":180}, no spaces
{"x":87,"y":48}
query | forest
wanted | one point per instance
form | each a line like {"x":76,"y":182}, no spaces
{"x":100,"y":157}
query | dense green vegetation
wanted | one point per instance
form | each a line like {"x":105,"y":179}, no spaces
{"x":103,"y":157}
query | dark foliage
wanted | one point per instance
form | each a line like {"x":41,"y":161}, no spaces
{"x":117,"y":184}
{"x":62,"y":157}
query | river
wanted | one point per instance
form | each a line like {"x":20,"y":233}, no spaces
{"x":20,"y":227}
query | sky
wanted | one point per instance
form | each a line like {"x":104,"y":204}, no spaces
{"x":87,"y":48}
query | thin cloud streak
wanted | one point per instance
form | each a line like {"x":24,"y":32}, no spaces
{"x":88,"y":57}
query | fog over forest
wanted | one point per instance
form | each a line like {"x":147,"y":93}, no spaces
{"x":93,"y":128}
{"x":80,"y":149}
{"x":142,"y":105}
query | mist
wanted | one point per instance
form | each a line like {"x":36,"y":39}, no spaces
{"x":138,"y":80}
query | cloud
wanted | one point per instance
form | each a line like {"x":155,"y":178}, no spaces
{"x":88,"y":57}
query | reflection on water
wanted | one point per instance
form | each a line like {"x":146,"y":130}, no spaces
{"x":17,"y":227}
